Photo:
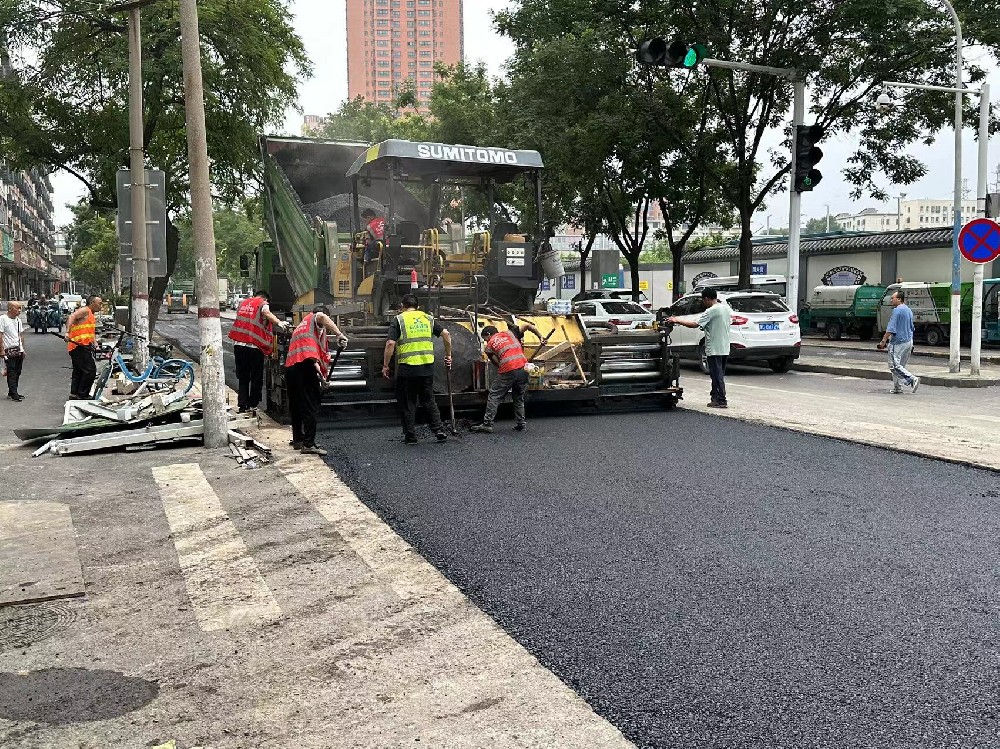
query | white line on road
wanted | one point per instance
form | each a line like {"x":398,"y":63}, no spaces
{"x":223,"y":582}
{"x":391,"y":559}
{"x":778,"y":390}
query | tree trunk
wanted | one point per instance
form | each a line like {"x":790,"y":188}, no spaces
{"x":158,"y":286}
{"x":633,"y":270}
{"x":746,"y":250}
{"x":677,"y":272}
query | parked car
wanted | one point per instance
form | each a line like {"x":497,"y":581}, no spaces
{"x":623,"y":294}
{"x":762,"y":329}
{"x":775,"y":284}
{"x":622,"y":314}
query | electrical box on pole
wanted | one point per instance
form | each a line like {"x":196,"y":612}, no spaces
{"x":807,"y":155}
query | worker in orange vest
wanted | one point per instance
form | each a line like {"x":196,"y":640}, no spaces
{"x":306,"y":367}
{"x":504,"y":350}
{"x":253,"y":340}
{"x":81,"y":332}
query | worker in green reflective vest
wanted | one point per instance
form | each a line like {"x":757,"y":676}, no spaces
{"x":411,"y":339}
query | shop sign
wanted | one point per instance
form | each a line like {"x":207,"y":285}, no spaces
{"x":7,"y":246}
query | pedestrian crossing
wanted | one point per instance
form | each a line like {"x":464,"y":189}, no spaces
{"x":222,"y":579}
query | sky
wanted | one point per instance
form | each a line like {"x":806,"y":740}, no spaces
{"x":320,"y":24}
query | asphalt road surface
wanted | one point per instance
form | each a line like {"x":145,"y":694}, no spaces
{"x":182,"y":331}
{"x":721,"y":584}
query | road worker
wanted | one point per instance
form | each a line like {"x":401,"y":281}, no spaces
{"x":306,"y":370}
{"x":411,"y":339}
{"x":504,"y":350}
{"x":81,"y":333}
{"x":253,"y":340}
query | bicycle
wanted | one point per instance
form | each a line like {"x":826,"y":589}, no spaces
{"x":158,"y":372}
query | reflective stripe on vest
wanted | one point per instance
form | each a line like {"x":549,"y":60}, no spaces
{"x":508,"y":350}
{"x":82,"y":333}
{"x":250,"y":328}
{"x":308,"y":342}
{"x":416,"y":338}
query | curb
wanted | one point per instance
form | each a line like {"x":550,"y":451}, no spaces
{"x":926,"y":352}
{"x":878,"y":374}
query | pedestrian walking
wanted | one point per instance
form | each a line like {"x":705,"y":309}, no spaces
{"x":253,"y":341}
{"x":12,"y":349}
{"x":715,"y":321}
{"x":81,"y":332}
{"x":898,"y":342}
{"x":411,"y":339}
{"x":306,"y":368}
{"x":505,"y":352}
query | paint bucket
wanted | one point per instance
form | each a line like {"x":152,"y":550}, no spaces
{"x":552,"y":266}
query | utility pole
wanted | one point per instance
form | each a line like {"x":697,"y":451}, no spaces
{"x":977,"y":285}
{"x":213,"y":393}
{"x":137,"y":174}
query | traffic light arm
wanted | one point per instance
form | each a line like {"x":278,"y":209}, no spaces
{"x":788,"y":73}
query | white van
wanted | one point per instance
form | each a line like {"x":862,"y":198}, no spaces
{"x":69,"y":303}
{"x":774,"y":284}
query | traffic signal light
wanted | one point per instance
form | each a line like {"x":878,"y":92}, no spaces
{"x":807,"y":155}
{"x":677,"y":54}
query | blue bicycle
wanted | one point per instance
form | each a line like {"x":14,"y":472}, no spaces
{"x":166,"y":373}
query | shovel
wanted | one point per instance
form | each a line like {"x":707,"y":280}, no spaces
{"x":451,"y":401}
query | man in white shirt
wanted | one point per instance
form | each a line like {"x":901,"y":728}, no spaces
{"x":12,"y":348}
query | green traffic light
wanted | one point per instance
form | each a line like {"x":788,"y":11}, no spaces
{"x":691,"y":58}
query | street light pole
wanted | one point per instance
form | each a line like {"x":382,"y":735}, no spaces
{"x":213,"y":393}
{"x":137,"y":190}
{"x":954,"y":356}
{"x":977,"y":286}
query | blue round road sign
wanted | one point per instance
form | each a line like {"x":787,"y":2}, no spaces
{"x":979,"y":241}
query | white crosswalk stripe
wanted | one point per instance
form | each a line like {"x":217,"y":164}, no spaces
{"x":223,"y":581}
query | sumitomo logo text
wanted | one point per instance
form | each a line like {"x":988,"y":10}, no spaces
{"x":465,"y":153}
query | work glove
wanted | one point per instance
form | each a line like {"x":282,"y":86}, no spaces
{"x":342,"y":342}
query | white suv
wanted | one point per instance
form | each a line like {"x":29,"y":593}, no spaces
{"x":763,"y":329}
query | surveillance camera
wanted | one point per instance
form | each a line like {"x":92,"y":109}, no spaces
{"x":884,"y":101}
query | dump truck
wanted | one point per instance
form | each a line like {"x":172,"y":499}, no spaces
{"x":320,"y":253}
{"x":931,"y":306}
{"x":843,"y":310}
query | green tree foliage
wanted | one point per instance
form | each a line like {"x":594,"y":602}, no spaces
{"x":65,"y":102}
{"x":844,"y":49}
{"x":235,"y":235}
{"x":819,"y":225}
{"x":93,"y":242}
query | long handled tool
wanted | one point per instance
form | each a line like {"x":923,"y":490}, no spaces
{"x":541,"y":345}
{"x":451,"y":401}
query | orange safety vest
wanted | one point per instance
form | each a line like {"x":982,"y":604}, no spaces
{"x":308,"y":342}
{"x":508,"y":349}
{"x":250,"y":327}
{"x":83,"y":333}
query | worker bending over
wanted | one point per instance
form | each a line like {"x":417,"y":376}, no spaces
{"x":504,"y":350}
{"x":306,"y":369}
{"x":411,"y":338}
{"x":253,"y":341}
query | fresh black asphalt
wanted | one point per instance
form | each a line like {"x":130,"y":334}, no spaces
{"x":702,"y":582}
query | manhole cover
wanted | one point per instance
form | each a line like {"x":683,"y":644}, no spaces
{"x":20,"y":626}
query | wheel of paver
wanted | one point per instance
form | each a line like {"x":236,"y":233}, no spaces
{"x":834,"y":331}
{"x":935,"y":336}
{"x":780,"y":365}
{"x":702,"y":358}
{"x":179,"y":369}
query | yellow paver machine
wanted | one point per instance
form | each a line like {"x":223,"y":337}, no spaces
{"x":318,"y":195}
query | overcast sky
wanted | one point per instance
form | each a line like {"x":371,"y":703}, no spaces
{"x":321,"y":24}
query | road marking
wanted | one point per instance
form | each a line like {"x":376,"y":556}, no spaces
{"x":390,"y":558}
{"x":223,"y":582}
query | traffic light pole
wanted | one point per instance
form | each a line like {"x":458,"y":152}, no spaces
{"x":794,"y":204}
{"x":977,"y":286}
{"x":794,"y":197}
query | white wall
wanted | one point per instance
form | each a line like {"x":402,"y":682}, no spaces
{"x":693,"y":269}
{"x":930,"y":266}
{"x":868,"y":262}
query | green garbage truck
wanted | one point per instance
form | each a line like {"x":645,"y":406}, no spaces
{"x":931,"y":306}
{"x":843,"y":310}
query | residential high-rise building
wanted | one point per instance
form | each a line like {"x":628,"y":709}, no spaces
{"x":392,"y":43}
{"x":27,"y":235}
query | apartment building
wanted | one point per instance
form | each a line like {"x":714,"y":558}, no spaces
{"x":395,"y":43}
{"x":27,"y":235}
{"x":920,"y":213}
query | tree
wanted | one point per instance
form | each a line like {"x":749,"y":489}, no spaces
{"x":821,"y":225}
{"x":235,"y":235}
{"x":64,"y":104}
{"x":93,"y":242}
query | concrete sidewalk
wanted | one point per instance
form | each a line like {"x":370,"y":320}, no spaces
{"x":231,"y":608}
{"x":934,"y":375}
